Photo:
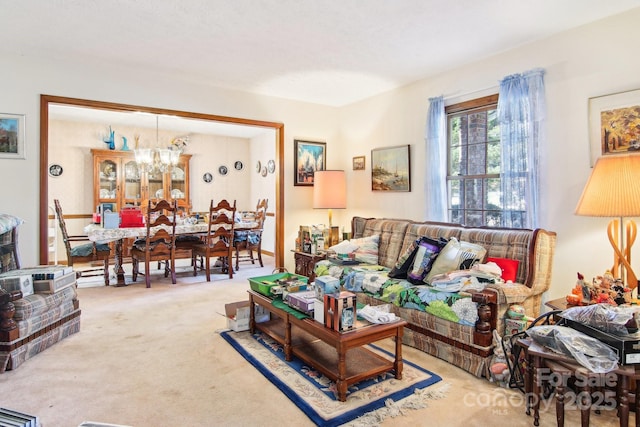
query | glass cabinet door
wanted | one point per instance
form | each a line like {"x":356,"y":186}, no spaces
{"x":155,"y":184}
{"x":132,"y":184}
{"x":178,"y":180}
{"x":108,"y":180}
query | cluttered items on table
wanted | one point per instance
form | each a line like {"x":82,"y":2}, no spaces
{"x":602,"y":289}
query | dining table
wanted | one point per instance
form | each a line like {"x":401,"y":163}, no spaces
{"x":98,"y":234}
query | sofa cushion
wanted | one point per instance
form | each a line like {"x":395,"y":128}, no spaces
{"x":391,"y":232}
{"x":367,"y":250}
{"x":456,"y":255}
{"x":36,"y":304}
{"x":505,"y":243}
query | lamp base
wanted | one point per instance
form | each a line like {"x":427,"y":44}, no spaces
{"x":621,"y":244}
{"x":334,"y":236}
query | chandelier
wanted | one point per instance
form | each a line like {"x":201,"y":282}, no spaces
{"x":158,"y":159}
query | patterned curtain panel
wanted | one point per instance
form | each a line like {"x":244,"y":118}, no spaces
{"x":436,"y":161}
{"x":521,"y":114}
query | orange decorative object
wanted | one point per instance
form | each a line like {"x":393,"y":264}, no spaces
{"x":573,"y":299}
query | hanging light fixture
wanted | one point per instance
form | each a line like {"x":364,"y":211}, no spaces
{"x":157,"y":159}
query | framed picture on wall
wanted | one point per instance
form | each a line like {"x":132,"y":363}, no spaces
{"x":12,"y":136}
{"x":391,"y":169}
{"x":358,"y":163}
{"x":309,"y":157}
{"x":614,"y":124}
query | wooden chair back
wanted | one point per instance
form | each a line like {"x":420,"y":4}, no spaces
{"x":219,"y":238}
{"x":93,"y":252}
{"x":159,"y":242}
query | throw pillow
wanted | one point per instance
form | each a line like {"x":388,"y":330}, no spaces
{"x":508,"y":266}
{"x":400,"y":270}
{"x":427,"y":251}
{"x":344,"y":247}
{"x":456,"y":255}
{"x":367,"y":251}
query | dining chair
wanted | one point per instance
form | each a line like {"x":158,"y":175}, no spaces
{"x":219,"y":240}
{"x":83,"y":253}
{"x":185,"y":242}
{"x":251,"y":240}
{"x":159,"y":242}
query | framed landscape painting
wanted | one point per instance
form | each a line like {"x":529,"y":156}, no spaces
{"x":391,"y":169}
{"x":12,"y":136}
{"x":614,"y":124}
{"x":309,"y":157}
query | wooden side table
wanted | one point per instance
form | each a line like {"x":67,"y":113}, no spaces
{"x":305,"y":263}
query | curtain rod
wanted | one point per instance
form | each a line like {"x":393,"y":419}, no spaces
{"x":456,"y":95}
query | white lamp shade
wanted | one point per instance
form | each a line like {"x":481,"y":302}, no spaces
{"x":329,"y":189}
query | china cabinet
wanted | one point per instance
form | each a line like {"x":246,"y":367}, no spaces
{"x":118,"y":180}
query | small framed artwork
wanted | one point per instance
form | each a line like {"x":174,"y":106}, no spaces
{"x":309,"y":157}
{"x":207,"y":177}
{"x":238,"y":165}
{"x":614,"y":121}
{"x":222,"y":170}
{"x":55,"y":170}
{"x":271,"y":166}
{"x":12,"y":136}
{"x":391,"y":169}
{"x":358,"y":163}
{"x":258,"y":166}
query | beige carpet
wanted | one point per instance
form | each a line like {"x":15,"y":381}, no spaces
{"x":152,"y":357}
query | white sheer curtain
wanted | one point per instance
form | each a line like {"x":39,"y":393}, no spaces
{"x":521,"y":114}
{"x":436,"y":161}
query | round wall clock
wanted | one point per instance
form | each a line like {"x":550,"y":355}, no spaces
{"x":271,"y":166}
{"x":238,"y":165}
{"x":222,"y":170}
{"x":55,"y":170}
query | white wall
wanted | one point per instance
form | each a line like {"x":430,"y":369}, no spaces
{"x":590,"y":61}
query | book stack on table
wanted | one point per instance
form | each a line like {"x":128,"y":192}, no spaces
{"x":12,"y":418}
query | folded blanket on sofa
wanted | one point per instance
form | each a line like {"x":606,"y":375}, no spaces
{"x":374,"y":280}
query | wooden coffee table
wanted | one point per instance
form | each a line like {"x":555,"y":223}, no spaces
{"x":340,"y":356}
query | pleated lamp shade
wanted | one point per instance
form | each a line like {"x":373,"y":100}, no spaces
{"x":613,"y":189}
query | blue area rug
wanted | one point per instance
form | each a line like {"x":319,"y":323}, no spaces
{"x":316,"y":395}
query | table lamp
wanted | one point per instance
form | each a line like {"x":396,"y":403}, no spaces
{"x":330,"y":192}
{"x":613,"y":190}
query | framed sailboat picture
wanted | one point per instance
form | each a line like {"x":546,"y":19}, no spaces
{"x":391,"y":168}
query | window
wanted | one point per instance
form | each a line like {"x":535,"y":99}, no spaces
{"x":473,"y":162}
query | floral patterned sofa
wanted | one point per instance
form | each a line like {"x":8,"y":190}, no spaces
{"x":456,"y":327}
{"x":32,"y":323}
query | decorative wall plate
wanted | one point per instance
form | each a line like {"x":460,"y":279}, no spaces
{"x":264,"y":171}
{"x":271,"y":166}
{"x":222,"y":170}
{"x":258,"y":166}
{"x":207,"y":177}
{"x":238,"y":165}
{"x":55,"y":170}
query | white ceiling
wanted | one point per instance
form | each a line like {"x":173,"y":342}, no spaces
{"x":330,"y":52}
